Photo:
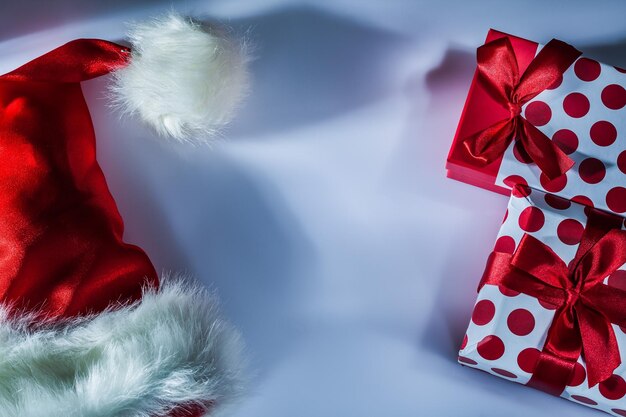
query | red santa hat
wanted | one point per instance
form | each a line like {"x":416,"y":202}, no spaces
{"x":87,"y":327}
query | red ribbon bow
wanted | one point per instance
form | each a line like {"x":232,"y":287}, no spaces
{"x":498,"y":71}
{"x":586,"y":307}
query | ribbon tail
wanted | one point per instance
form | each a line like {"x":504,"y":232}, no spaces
{"x":550,"y":159}
{"x":599,"y":346}
{"x":489,"y":144}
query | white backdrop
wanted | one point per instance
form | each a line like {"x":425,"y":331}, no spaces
{"x":324,"y":218}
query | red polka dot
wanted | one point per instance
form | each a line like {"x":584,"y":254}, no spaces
{"x":614,"y":96}
{"x":613,"y":388}
{"x":557,"y":202}
{"x":622,"y":70}
{"x":616,"y":199}
{"x":587,"y":69}
{"x":576,"y":105}
{"x":490,"y":348}
{"x":464,"y":342}
{"x":520,"y":154}
{"x":591,"y":170}
{"x":531,"y":219}
{"x":555,"y":185}
{"x":582,"y":199}
{"x":556,"y":83}
{"x":619,"y":412}
{"x":527,"y":359}
{"x":621,"y":162}
{"x":522,"y":189}
{"x":484,"y":310}
{"x":507,"y":291}
{"x":538,"y":113}
{"x":467,"y":361}
{"x":570,"y":264}
{"x":504,"y":372}
{"x":520,"y":322}
{"x":570,"y":231}
{"x":505,"y":244}
{"x":584,"y":400}
{"x":578,"y":376}
{"x":585,"y":201}
{"x":547,"y":305}
{"x":603,"y":133}
{"x":566,"y":140}
{"x":506,"y":215}
{"x":618,"y":279}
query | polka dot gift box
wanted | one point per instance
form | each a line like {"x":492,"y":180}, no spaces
{"x":551,"y":307}
{"x":547,"y":117}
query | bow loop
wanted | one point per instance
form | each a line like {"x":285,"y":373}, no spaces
{"x":540,"y":261}
{"x":607,"y":300}
{"x":546,"y":69}
{"x":606,"y":256}
{"x":498,"y":72}
{"x":497,"y":69}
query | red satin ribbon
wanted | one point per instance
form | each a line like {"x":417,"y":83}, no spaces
{"x":586,"y":307}
{"x":499,"y":73}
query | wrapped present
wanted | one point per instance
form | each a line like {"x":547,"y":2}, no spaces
{"x":547,"y":117}
{"x":551,"y":307}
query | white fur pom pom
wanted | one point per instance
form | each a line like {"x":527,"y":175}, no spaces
{"x":183,"y":79}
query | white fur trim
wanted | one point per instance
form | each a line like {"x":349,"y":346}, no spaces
{"x":141,"y":360}
{"x":183,"y":79}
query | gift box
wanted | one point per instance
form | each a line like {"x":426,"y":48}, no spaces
{"x":551,"y":306}
{"x":547,"y":117}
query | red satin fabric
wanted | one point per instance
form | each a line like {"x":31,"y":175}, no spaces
{"x":586,"y":307}
{"x":61,"y":247}
{"x":498,"y":72}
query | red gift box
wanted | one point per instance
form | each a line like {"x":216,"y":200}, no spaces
{"x":551,"y":307}
{"x":581,"y":116}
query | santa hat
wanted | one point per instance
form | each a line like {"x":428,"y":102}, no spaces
{"x":87,"y":327}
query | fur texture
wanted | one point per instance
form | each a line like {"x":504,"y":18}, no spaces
{"x":140,"y":360}
{"x":183,"y":79}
